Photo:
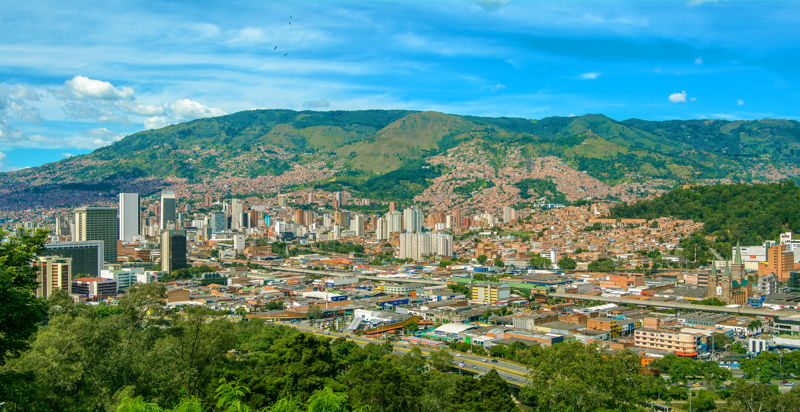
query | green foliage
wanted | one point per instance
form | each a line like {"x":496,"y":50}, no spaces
{"x":187,"y":273}
{"x":482,"y":259}
{"x":544,"y":189}
{"x":340,"y":247}
{"x":540,"y":262}
{"x":472,"y":186}
{"x":710,"y":302}
{"x":573,"y":377}
{"x":567,"y":263}
{"x":602,"y":265}
{"x":746,"y":213}
{"x":20,"y":311}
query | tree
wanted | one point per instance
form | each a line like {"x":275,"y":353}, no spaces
{"x":499,"y":263}
{"x":540,"y":262}
{"x":441,"y":360}
{"x":602,"y":265}
{"x":754,"y":326}
{"x":20,"y":311}
{"x":326,"y":400}
{"x":482,"y":259}
{"x":567,"y":263}
{"x":762,"y":368}
{"x":230,"y":395}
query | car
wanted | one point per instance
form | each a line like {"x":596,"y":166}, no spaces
{"x":493,"y":360}
{"x":789,"y":383}
{"x":484,"y":360}
{"x":461,"y":364}
{"x":458,"y":355}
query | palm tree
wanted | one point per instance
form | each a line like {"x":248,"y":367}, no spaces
{"x":754,"y":326}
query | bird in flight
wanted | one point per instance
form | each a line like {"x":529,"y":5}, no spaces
{"x":275,"y":48}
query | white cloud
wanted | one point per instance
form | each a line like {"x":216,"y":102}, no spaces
{"x":678,"y":97}
{"x":186,"y":109}
{"x":740,"y":102}
{"x":698,"y":61}
{"x":156,"y":122}
{"x":142,"y":109}
{"x":83,"y":87}
{"x":249,"y":35}
{"x":67,"y":154}
{"x":498,"y":86}
{"x":590,"y":75}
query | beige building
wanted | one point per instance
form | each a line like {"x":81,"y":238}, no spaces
{"x":680,"y":343}
{"x":54,"y":273}
{"x":98,"y":223}
{"x":489,"y":293}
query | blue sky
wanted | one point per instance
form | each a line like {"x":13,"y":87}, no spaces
{"x":78,"y":75}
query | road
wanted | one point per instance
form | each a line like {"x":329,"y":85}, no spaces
{"x":678,"y":305}
{"x":513,"y":373}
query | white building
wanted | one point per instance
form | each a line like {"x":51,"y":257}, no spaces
{"x":129,"y":215}
{"x":412,"y":219}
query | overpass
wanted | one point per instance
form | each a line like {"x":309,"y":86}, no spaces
{"x":677,"y":305}
{"x":353,"y":274}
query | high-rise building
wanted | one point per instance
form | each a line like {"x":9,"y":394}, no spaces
{"x":129,"y":215}
{"x":780,"y":261}
{"x":381,"y":229}
{"x":219,"y":222}
{"x":86,"y":257}
{"x":794,"y":281}
{"x":509,"y":214}
{"x":394,"y":222}
{"x":173,"y":250}
{"x":169,"y":212}
{"x":53,"y":273}
{"x":357,"y":224}
{"x":237,"y":209}
{"x":417,"y":245}
{"x":98,"y":223}
{"x":412,"y":219}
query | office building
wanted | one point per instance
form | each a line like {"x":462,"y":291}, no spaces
{"x":129,"y":215}
{"x":86,"y":257}
{"x":780,"y":261}
{"x":218,"y":222}
{"x":237,"y":210}
{"x":94,"y":288}
{"x":168,"y":215}
{"x":680,"y":343}
{"x":489,"y":293}
{"x":98,"y":223}
{"x":173,"y":250}
{"x":53,"y":273}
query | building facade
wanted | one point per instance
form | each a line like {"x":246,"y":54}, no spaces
{"x":98,"y":223}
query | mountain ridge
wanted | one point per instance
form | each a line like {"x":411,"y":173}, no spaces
{"x":308,"y":148}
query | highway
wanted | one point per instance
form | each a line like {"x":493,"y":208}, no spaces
{"x":268,"y":266}
{"x":513,"y":373}
{"x":678,"y":305}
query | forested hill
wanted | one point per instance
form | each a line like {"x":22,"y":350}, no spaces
{"x":746,"y":213}
{"x":316,"y":147}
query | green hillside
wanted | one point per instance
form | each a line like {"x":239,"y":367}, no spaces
{"x":368,"y":150}
{"x":746,"y":213}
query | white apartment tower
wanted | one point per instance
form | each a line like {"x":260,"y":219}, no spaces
{"x":129,"y":216}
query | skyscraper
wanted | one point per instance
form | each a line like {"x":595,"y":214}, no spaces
{"x":357,"y":224}
{"x":412,"y":220}
{"x":129,"y":215}
{"x":173,"y":250}
{"x":168,"y":210}
{"x":394,"y":222}
{"x":98,"y":223}
{"x":237,"y":209}
{"x":219,"y":222}
{"x":381,"y":229}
